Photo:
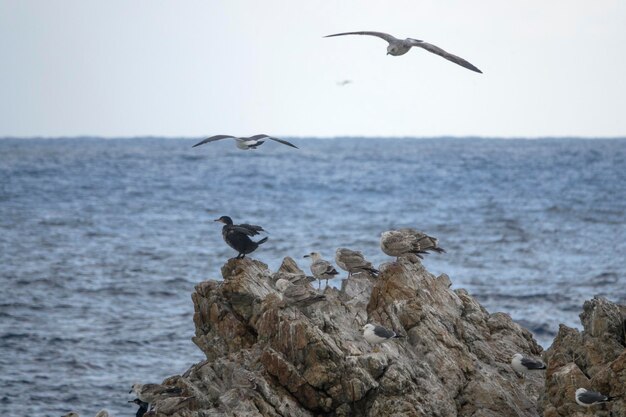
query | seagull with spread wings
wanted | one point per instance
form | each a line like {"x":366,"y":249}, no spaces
{"x":399,"y":47}
{"x":245,"y":143}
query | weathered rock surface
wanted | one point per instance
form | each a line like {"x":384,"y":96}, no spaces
{"x":594,"y":359}
{"x":265,"y":358}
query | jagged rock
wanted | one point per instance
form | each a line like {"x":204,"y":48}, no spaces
{"x":594,"y":359}
{"x":268,"y":359}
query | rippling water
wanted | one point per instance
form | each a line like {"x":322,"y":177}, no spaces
{"x":102,"y":241}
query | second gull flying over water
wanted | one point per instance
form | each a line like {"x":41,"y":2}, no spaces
{"x":244,"y":143}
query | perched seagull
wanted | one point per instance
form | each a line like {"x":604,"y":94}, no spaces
{"x":298,"y":295}
{"x":148,"y":393}
{"x":237,"y":236}
{"x":378,"y":334}
{"x":245,"y":143}
{"x":143,"y":407}
{"x":523,"y":365}
{"x":321,"y":269}
{"x":588,"y":398}
{"x":101,"y":413}
{"x":404,"y":241}
{"x":398,"y":47}
{"x":353,"y":262}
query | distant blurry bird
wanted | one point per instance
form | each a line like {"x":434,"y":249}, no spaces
{"x":378,"y":334}
{"x":71,"y":414}
{"x":353,"y":262}
{"x":321,"y":269}
{"x":237,"y":236}
{"x":398,"y":47}
{"x":102,"y":413}
{"x":143,"y":407}
{"x":588,"y":398}
{"x":244,"y":143}
{"x":148,"y":393}
{"x":523,"y":365}
{"x":343,"y":83}
{"x":404,"y":241}
{"x":298,"y":295}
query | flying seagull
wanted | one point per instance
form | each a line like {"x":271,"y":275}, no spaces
{"x":404,"y":241}
{"x":588,"y":398}
{"x":378,"y":334}
{"x":399,"y":47}
{"x":353,"y":262}
{"x":523,"y":365}
{"x":143,"y":407}
{"x":245,"y":143}
{"x":237,"y":236}
{"x":321,"y":269}
{"x":343,"y":83}
{"x":148,"y":393}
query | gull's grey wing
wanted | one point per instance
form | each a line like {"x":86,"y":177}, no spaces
{"x":532,"y":364}
{"x":212,"y":139}
{"x":380,"y":331}
{"x":591,"y":397}
{"x":381,"y":35}
{"x":263,"y":136}
{"x":450,"y":57}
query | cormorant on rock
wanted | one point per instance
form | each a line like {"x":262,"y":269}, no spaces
{"x":244,"y":143}
{"x":321,"y":269}
{"x":353,"y":262}
{"x":143,"y":407}
{"x":404,"y":241}
{"x":237,"y":236}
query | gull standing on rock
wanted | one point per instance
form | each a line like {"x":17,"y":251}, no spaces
{"x":398,"y":47}
{"x":523,"y":365}
{"x":244,"y":143}
{"x":404,"y":241}
{"x":321,"y":269}
{"x":378,"y":334}
{"x":353,"y":262}
{"x":588,"y":398}
{"x":237,"y":236}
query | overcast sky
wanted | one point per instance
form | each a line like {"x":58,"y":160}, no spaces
{"x":195,"y":68}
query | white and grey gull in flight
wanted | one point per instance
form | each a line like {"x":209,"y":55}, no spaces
{"x":237,"y":236}
{"x":399,"y":47}
{"x":246,"y":143}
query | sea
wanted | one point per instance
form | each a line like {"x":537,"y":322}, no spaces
{"x":103,"y":240}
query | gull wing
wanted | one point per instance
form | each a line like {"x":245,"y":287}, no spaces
{"x":263,"y":136}
{"x":212,"y":139}
{"x":381,"y":35}
{"x":591,"y":397}
{"x":380,"y":331}
{"x":437,"y":50}
{"x":532,"y":364}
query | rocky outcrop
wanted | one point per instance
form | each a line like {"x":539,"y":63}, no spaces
{"x":594,"y":359}
{"x":267,"y":358}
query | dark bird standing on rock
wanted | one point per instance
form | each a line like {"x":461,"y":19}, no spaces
{"x":143,"y":407}
{"x":237,"y":236}
{"x":404,"y":241}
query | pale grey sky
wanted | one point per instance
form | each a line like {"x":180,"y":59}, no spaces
{"x":195,"y":68}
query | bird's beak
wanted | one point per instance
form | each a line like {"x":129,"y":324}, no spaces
{"x":130,"y":393}
{"x":217,"y":220}
{"x":132,"y":400}
{"x":306,"y":256}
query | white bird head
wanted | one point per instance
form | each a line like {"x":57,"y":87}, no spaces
{"x":314,"y":256}
{"x":368,"y":326}
{"x":517,"y":356}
